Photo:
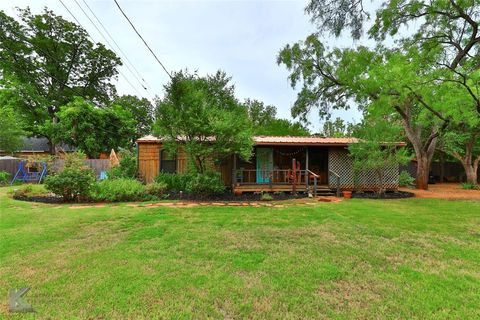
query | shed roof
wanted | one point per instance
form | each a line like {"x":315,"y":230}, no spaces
{"x":279,"y":140}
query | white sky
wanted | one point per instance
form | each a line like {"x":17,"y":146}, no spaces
{"x":239,"y":37}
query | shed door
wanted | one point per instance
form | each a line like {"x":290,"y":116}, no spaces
{"x":264,"y":164}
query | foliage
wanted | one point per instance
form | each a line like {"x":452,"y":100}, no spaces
{"x":74,"y":181}
{"x":4,"y":178}
{"x":93,"y":130}
{"x":142,"y":112}
{"x":266,"y":197}
{"x":377,"y":151}
{"x":175,"y":182}
{"x":29,"y":190}
{"x":469,"y":186}
{"x":11,"y":133}
{"x":127,"y":167}
{"x":421,"y":78}
{"x":203,"y":115}
{"x":265,"y":123}
{"x":46,"y":61}
{"x":405,"y":179}
{"x":115,"y":190}
{"x":208,"y":183}
{"x":156,"y":189}
{"x":338,"y":128}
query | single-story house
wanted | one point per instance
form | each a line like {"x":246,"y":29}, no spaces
{"x":278,"y":164}
{"x":36,"y":146}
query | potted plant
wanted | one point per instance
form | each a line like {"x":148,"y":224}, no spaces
{"x":347,"y":194}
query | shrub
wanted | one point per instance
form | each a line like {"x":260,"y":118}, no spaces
{"x":114,"y":190}
{"x":71,"y":183}
{"x":174,"y":181}
{"x":405,"y":179}
{"x":205,"y":184}
{"x":127,"y":167}
{"x":266,"y":197}
{"x":156,"y":189}
{"x":468,"y":186}
{"x":74,"y":181}
{"x":4,"y":178}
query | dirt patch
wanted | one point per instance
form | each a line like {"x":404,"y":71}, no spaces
{"x":448,"y":191}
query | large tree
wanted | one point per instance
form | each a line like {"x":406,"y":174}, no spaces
{"x":47,"y":61}
{"x":400,"y":78}
{"x":142,"y":111}
{"x":11,"y":133}
{"x":93,"y":130}
{"x":202,"y":115}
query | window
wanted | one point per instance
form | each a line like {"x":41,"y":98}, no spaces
{"x":168,"y":162}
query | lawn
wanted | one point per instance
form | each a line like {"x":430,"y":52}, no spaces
{"x":412,"y":258}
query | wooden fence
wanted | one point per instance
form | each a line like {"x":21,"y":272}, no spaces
{"x":98,"y":165}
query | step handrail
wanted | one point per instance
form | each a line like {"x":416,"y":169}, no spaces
{"x":337,"y":178}
{"x":315,"y":177}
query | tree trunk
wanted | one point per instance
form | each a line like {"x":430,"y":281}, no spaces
{"x":423,"y":170}
{"x":471,"y":170}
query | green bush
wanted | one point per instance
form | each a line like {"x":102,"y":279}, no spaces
{"x":127,"y":167}
{"x":72,"y":184}
{"x":156,"y":189}
{"x":74,"y":181}
{"x":205,"y":184}
{"x":174,"y":181}
{"x":4,"y":178}
{"x":266,"y":197}
{"x":468,"y":186}
{"x":29,"y":190}
{"x":122,"y":189}
{"x":405,"y":179}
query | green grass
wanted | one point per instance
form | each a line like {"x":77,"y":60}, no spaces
{"x":412,"y":258}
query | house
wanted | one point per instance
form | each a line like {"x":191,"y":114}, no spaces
{"x":278,"y":164}
{"x":34,"y":146}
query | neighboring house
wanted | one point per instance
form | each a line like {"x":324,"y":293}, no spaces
{"x":278,"y":164}
{"x":37,"y":146}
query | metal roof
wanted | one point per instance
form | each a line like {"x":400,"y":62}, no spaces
{"x":279,"y":140}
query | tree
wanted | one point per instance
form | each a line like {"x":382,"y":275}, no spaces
{"x":142,"y":111}
{"x":401,"y":78}
{"x":337,"y":128}
{"x":202,"y":115}
{"x":378,"y":150}
{"x":46,"y":61}
{"x":93,"y":130}
{"x":11,"y":133}
{"x":265,"y":123}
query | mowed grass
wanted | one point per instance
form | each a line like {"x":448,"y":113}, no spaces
{"x":412,"y":258}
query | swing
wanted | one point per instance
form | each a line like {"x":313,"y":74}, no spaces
{"x":30,"y":172}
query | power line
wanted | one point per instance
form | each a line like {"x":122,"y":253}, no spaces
{"x":75,"y":18}
{"x":115,"y":42}
{"x":108,"y":42}
{"x":135,"y":29}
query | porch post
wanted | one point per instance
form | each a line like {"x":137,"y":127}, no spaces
{"x":234,"y":170}
{"x":307,"y":179}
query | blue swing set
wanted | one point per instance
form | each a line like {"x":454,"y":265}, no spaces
{"x":26,"y":174}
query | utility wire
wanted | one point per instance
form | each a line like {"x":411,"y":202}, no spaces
{"x":115,"y":42}
{"x":75,"y":18}
{"x":135,"y":29}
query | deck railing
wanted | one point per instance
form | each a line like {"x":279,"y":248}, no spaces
{"x":337,"y":180}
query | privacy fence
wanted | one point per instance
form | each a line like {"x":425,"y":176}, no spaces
{"x":97,"y":165}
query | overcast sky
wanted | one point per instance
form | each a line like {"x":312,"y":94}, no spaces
{"x":239,"y":37}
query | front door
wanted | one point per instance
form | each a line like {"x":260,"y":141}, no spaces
{"x":264,"y":164}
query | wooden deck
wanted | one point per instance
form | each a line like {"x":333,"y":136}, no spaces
{"x":255,"y":187}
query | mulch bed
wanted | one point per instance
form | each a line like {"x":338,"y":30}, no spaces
{"x":387,"y":195}
{"x":224,"y":197}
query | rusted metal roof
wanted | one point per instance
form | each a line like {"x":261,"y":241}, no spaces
{"x":279,"y":140}
{"x":319,"y":141}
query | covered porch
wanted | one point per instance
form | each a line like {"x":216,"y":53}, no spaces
{"x":275,"y":168}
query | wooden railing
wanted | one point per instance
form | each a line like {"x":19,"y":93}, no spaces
{"x":337,"y":180}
